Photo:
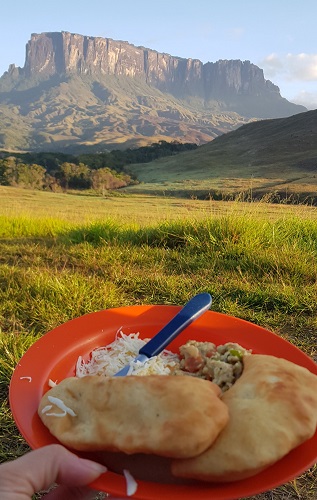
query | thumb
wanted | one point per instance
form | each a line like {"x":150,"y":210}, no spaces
{"x":38,"y":469}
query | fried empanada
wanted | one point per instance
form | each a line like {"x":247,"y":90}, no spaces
{"x":272,"y":410}
{"x":163,"y":415}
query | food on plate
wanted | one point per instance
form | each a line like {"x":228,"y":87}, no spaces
{"x":272,"y":410}
{"x":161,"y":415}
{"x":222,"y":364}
{"x":109,"y":359}
{"x":233,"y":416}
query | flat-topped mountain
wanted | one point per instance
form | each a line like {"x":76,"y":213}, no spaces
{"x":79,"y":92}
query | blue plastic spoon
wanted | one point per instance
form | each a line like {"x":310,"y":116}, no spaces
{"x":191,"y":311}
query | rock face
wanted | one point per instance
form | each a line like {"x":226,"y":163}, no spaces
{"x":79,"y":91}
{"x":48,"y":54}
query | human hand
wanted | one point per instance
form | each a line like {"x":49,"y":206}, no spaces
{"x":39,"y":469}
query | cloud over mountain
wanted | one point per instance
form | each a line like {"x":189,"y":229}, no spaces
{"x":293,"y":66}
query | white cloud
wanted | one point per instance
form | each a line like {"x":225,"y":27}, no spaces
{"x":307,"y":99}
{"x":295,"y":74}
{"x":291,"y":67}
{"x":272,"y":65}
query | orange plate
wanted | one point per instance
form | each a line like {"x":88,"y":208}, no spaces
{"x":54,"y":357}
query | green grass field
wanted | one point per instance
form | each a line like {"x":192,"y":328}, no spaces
{"x":65,"y":255}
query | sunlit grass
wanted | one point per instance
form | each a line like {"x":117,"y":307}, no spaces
{"x":140,"y":209}
{"x":258,"y":265}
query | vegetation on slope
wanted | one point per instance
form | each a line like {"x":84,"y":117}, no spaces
{"x":269,"y":156}
{"x":99,"y":172}
{"x":89,"y":113}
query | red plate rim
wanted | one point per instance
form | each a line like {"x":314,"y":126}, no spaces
{"x":54,"y":356}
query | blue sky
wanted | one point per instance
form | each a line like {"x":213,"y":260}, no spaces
{"x":277,"y":35}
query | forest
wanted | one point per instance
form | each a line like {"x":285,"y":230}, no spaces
{"x":99,"y":171}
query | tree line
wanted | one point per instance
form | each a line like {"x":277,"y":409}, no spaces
{"x":97,"y":171}
{"x":13,"y":172}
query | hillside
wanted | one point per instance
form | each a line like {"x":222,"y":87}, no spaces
{"x":266,"y":156}
{"x":78,"y":94}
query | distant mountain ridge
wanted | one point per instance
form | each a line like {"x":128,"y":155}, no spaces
{"x":80,"y":91}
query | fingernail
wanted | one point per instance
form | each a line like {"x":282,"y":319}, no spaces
{"x":94,"y":466}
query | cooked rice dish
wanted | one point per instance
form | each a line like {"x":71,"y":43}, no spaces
{"x":221,"y":364}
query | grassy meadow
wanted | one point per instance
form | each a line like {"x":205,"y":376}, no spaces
{"x":66,"y":255}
